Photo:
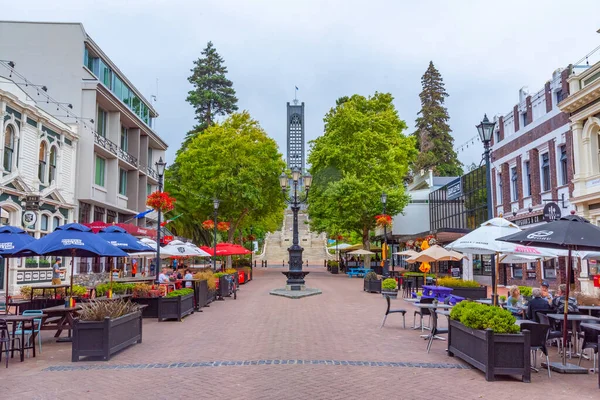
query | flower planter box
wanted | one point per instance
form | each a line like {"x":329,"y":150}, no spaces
{"x":104,"y":338}
{"x":372,"y":286}
{"x":151,"y":303}
{"x":392,"y":293}
{"x":471,"y":293}
{"x":335,"y":269}
{"x":493,"y":354}
{"x":175,"y":307}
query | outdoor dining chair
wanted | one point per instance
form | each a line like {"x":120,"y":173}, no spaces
{"x":434,"y":329}
{"x":6,"y":340}
{"x":35,"y":329}
{"x":538,"y":337}
{"x":554,"y":333}
{"x":422,"y":312}
{"x":389,"y":311}
{"x":590,"y":341}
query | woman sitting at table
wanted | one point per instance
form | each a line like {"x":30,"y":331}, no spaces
{"x":514,"y":303}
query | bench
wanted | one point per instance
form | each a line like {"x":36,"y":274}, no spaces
{"x":357,"y":272}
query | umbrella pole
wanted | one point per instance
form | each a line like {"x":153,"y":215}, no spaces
{"x":566,"y":308}
{"x":495,"y":259}
{"x":72,"y":270}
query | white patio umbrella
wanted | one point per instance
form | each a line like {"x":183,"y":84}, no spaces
{"x":179,"y":248}
{"x":407,"y":253}
{"x":340,"y":246}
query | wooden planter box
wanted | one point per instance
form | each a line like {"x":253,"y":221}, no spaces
{"x":335,"y":269}
{"x":372,"y":286}
{"x":201,"y":293}
{"x":471,"y":293}
{"x":175,"y":307}
{"x":224,"y":287}
{"x":151,"y":303}
{"x":392,"y":293}
{"x":104,"y":338}
{"x":493,"y":354}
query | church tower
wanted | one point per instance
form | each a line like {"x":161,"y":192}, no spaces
{"x":295,"y":135}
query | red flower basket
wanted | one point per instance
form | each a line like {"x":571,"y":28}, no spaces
{"x":208,"y":224}
{"x":160,"y":201}
{"x":383,"y":220}
{"x":223,"y":226}
{"x":251,"y":238}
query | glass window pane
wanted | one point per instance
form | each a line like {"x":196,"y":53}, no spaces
{"x":100,"y":165}
{"x":55,"y":223}
{"x":122,"y":182}
{"x":44,"y":223}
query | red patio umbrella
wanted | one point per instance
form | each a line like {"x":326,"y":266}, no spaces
{"x":227,"y":249}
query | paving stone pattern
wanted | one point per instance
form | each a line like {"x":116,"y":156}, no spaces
{"x":268,"y":347}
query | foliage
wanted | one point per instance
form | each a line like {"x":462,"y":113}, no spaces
{"x":481,"y":316}
{"x":77,"y":290}
{"x":457,"y":283}
{"x":333,"y":263}
{"x":241,"y":262}
{"x":388,"y":284}
{"x":371,"y":276}
{"x":142,"y":290}
{"x":117,"y":288}
{"x":98,"y":310}
{"x":383,"y":220}
{"x":160,"y":201}
{"x":434,"y":142}
{"x":26,"y":292}
{"x":362,"y":154}
{"x":180,"y":292}
{"x":223,"y":226}
{"x":526,"y":291}
{"x":212,"y":94}
{"x":230,"y":271}
{"x":502,"y":299}
{"x":208,"y":276}
{"x":407,"y":274}
{"x":219,"y":274}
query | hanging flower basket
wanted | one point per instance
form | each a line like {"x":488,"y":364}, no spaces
{"x":160,"y":201}
{"x":251,"y":238}
{"x":383,"y":220}
{"x":208,"y":224}
{"x":410,"y":244}
{"x":223,"y":226}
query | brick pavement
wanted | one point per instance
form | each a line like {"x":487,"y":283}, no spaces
{"x":197,"y":357}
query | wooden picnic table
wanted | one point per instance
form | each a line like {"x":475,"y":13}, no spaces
{"x":15,"y":319}
{"x":60,"y":318}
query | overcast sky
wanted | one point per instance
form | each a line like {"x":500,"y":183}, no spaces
{"x":485,"y":51}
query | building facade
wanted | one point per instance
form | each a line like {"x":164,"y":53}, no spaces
{"x":295,"y":135}
{"x":38,"y":158}
{"x":532,"y":158}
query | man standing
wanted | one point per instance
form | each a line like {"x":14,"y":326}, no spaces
{"x":133,"y":267}
{"x":56,"y":272}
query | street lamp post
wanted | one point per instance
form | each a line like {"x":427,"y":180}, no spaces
{"x":295,"y":275}
{"x":385,"y":245}
{"x":215,"y":214}
{"x":160,"y":170}
{"x":486,"y":130}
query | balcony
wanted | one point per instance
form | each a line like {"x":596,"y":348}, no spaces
{"x":114,"y":149}
{"x":151,"y":172}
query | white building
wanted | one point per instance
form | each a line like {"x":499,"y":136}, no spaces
{"x":38,"y":157}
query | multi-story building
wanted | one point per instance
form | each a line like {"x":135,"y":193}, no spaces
{"x":532,"y":158}
{"x":38,"y":158}
{"x":118,"y":146}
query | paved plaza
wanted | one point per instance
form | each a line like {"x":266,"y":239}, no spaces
{"x":268,"y":347}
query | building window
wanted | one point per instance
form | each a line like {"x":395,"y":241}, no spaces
{"x":499,"y":188}
{"x":100,"y":170}
{"x":101,"y":127}
{"x":150,"y":160}
{"x":111,"y":216}
{"x":124,"y":138}
{"x":564,"y":178}
{"x":122,"y":182}
{"x":545,"y":172}
{"x":148,"y":189}
{"x":55,"y":223}
{"x":42,"y":162}
{"x":517,"y":271}
{"x":514,"y":184}
{"x":559,"y":96}
{"x":482,"y":264}
{"x":549,"y":268}
{"x":52,"y":171}
{"x":497,"y":135}
{"x":44,"y":223}
{"x":9,"y":147}
{"x":527,"y":179}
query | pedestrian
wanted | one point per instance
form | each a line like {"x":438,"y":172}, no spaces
{"x":134,"y":266}
{"x":56,"y":269}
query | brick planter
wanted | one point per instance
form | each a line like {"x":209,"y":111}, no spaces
{"x":372,"y":286}
{"x":104,"y":338}
{"x":493,"y":354}
{"x":175,"y":307}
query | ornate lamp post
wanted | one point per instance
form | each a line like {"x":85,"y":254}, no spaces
{"x":295,"y":275}
{"x":160,"y":170}
{"x":486,"y":130}
{"x":385,"y":263}
{"x":215,"y":214}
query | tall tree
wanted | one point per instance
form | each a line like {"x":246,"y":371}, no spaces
{"x":433,"y":132}
{"x":213,"y":94}
{"x":362,"y":153}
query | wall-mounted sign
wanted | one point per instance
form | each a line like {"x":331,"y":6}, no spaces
{"x":29,"y":218}
{"x":454,"y":190}
{"x":551,"y":212}
{"x":534,"y":219}
{"x":32,"y":203}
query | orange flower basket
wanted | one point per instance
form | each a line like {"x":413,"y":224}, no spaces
{"x":208,"y":224}
{"x":160,"y":201}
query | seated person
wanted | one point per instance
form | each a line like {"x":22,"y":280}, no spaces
{"x":545,"y":292}
{"x":163,"y":277}
{"x":537,"y":303}
{"x":514,"y":303}
{"x":188,"y":277}
{"x":558,"y":303}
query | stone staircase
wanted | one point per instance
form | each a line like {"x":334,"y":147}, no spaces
{"x":277,"y":243}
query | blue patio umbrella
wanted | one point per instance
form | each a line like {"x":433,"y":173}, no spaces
{"x":12,"y":240}
{"x":119,"y":237}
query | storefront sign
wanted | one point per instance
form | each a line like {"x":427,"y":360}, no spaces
{"x":528,"y":220}
{"x":456,"y":272}
{"x":551,"y":212}
{"x":454,"y":190}
{"x":531,"y":275}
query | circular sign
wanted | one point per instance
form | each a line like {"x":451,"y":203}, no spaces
{"x":551,"y":212}
{"x":29,"y":218}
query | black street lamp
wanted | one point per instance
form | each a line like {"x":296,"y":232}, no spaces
{"x":160,"y":170}
{"x":385,"y":246}
{"x":215,"y":214}
{"x":486,"y":130}
{"x":295,"y":275}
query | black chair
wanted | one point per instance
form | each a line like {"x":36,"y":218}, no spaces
{"x":423,"y":311}
{"x":554,"y":333}
{"x":6,"y":339}
{"x":538,"y":338}
{"x":434,"y":329}
{"x":407,"y":287}
{"x":389,"y":311}
{"x":590,"y":341}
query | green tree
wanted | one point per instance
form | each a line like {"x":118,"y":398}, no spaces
{"x":236,"y":162}
{"x":212,"y":94}
{"x":433,"y":132}
{"x":362,"y":153}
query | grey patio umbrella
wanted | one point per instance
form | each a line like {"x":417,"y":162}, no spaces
{"x":572,"y":233}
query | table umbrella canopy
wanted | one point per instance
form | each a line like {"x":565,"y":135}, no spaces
{"x":179,"y":248}
{"x":340,"y":246}
{"x":13,"y":239}
{"x":407,"y":253}
{"x":436,"y":253}
{"x":72,"y":240}
{"x":227,"y":249}
{"x":119,"y":237}
{"x":360,"y":252}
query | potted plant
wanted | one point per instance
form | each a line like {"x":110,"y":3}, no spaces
{"x":31,"y":263}
{"x":389,"y":288}
{"x":176,"y":304}
{"x":487,"y":338}
{"x":105,"y":327}
{"x":334,"y":267}
{"x":464,"y":288}
{"x":372,"y":283}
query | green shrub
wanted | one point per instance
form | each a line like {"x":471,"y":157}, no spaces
{"x":117,"y":288}
{"x":180,"y":292}
{"x":219,"y":274}
{"x":388,"y":284}
{"x":457,"y":283}
{"x":77,"y":290}
{"x":481,"y":316}
{"x":525,"y":290}
{"x":503,"y":299}
{"x":333,"y":263}
{"x":417,"y":274}
{"x":371,"y":276}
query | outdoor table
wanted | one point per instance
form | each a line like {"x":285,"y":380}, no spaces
{"x":443,"y":312}
{"x":574,"y":318}
{"x":50,"y":287}
{"x":410,"y":300}
{"x":438,"y":292}
{"x":65,"y":317}
{"x":136,"y":279}
{"x":20,"y":305}
{"x":525,"y":321}
{"x":589,"y":309}
{"x":430,"y":306}
{"x":485,"y":301}
{"x":15,"y":319}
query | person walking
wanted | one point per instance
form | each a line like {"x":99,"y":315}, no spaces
{"x":56,"y":269}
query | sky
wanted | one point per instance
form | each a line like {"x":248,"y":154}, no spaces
{"x":485,"y":50}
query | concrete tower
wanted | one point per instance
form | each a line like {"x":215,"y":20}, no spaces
{"x":295,"y":135}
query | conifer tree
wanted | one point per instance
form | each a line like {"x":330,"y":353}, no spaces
{"x":434,"y":141}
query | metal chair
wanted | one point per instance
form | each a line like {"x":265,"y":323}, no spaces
{"x":554,"y":333}
{"x":5,"y":338}
{"x":434,"y":329}
{"x":388,"y":311}
{"x":423,"y":312}
{"x":590,"y":341}
{"x":538,"y":337}
{"x":36,"y":326}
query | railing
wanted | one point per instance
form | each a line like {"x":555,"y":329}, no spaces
{"x":127,"y":157}
{"x":152,"y":172}
{"x":114,"y":148}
